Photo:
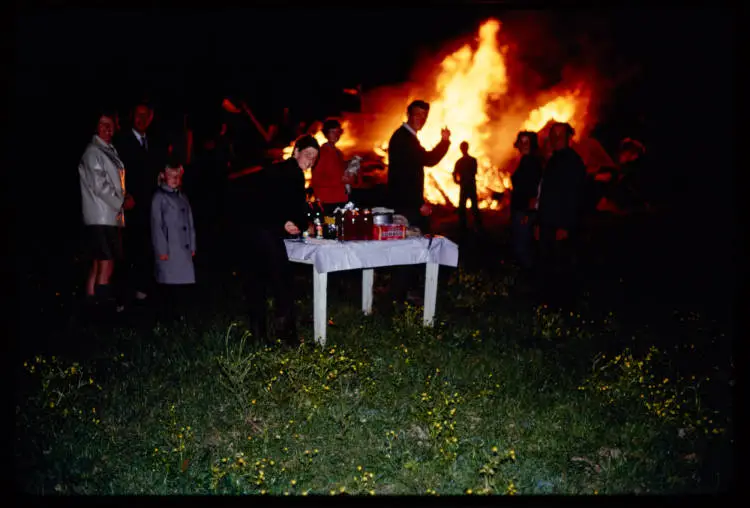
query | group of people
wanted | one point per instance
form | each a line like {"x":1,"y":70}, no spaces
{"x":139,"y":226}
{"x":547,"y":205}
{"x":547,"y":200}
{"x":139,"y":219}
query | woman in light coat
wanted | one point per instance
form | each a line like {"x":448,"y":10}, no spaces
{"x":103,"y":199}
{"x":173,"y":239}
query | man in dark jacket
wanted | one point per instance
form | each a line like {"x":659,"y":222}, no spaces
{"x":144,"y":158}
{"x":560,"y":207}
{"x":277,"y":208}
{"x":406,"y":161}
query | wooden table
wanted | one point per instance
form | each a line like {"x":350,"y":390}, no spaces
{"x":331,"y":256}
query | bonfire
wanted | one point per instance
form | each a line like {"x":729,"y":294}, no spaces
{"x":469,"y":84}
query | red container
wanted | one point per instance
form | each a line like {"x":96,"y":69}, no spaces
{"x":365,"y":224}
{"x":389,"y":232}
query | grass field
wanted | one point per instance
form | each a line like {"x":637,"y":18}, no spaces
{"x":501,"y":397}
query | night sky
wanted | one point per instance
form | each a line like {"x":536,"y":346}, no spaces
{"x":71,"y":61}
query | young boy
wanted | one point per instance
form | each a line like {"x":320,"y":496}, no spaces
{"x":173,"y":239}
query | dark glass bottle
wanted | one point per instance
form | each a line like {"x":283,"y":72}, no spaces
{"x":366,"y":225}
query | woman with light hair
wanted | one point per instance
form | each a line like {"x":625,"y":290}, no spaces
{"x":103,"y":201}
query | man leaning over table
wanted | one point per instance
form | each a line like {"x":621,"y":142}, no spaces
{"x":405,"y":189}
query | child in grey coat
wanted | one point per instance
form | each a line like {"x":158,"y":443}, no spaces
{"x":173,"y":239}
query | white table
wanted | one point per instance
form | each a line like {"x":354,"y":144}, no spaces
{"x":332,"y":256}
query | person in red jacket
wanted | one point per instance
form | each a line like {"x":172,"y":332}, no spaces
{"x":328,"y":179}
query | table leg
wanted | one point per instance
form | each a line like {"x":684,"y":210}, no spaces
{"x":320,"y":288}
{"x":430,"y":292}
{"x":368,"y":276}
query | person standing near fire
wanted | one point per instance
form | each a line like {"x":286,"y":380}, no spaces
{"x":328,"y":175}
{"x":405,"y":188}
{"x":560,"y":206}
{"x":274,"y":206}
{"x":525,"y":181}
{"x":465,"y":175}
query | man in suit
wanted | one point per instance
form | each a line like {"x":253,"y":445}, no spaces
{"x":143,"y":158}
{"x":406,"y":161}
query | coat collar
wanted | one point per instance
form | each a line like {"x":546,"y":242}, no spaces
{"x":100,"y":142}
{"x":167,"y":188}
{"x":408,"y":128}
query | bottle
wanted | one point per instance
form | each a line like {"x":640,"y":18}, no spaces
{"x":339,"y":225}
{"x":347,"y":224}
{"x":318,"y":228}
{"x":317,"y":211}
{"x":309,"y":216}
{"x":356,"y":225}
{"x":329,"y":227}
{"x":366,"y":225}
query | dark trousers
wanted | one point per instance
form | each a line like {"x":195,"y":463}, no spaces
{"x":175,"y":301}
{"x":139,"y":257}
{"x":268,"y":273}
{"x":522,"y":236}
{"x":409,"y":278}
{"x":557,"y":279}
{"x":468,"y":192}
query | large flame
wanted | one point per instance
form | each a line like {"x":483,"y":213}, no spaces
{"x":466,"y":81}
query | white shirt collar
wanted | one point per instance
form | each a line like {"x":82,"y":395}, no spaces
{"x":139,"y":135}
{"x":408,"y":128}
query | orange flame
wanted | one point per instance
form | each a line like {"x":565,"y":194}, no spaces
{"x":467,"y":81}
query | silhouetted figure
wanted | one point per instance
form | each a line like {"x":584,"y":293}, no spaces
{"x":465,"y":174}
{"x":525,"y":180}
{"x":560,"y":207}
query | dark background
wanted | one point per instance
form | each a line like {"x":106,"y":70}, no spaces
{"x":68,"y":62}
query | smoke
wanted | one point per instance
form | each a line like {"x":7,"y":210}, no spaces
{"x":558,"y":51}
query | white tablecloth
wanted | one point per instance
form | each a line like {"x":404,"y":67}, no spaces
{"x":332,"y":256}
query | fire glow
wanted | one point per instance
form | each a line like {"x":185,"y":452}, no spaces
{"x":469,"y":85}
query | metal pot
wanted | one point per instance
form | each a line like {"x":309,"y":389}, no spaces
{"x":382,"y":219}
